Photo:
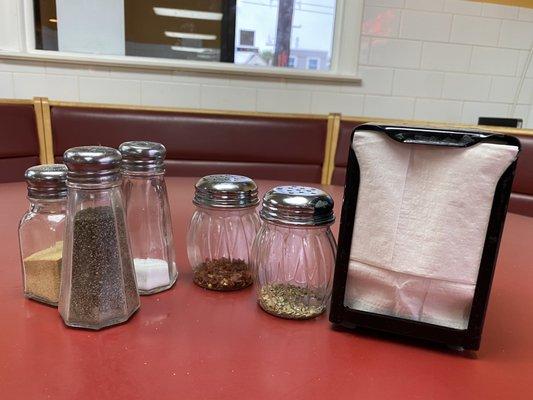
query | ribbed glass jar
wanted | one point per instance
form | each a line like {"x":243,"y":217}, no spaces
{"x":293,"y":254}
{"x":221,"y":232}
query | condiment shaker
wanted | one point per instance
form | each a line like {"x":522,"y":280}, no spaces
{"x":41,"y":232}
{"x":148,"y":215}
{"x":293,"y":254}
{"x":222,"y":230}
{"x":98,"y":285}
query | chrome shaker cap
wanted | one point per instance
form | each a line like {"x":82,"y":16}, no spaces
{"x":142,"y":156}
{"x":298,"y":205}
{"x":92,"y":165}
{"x":47,"y":181}
{"x":226,"y":191}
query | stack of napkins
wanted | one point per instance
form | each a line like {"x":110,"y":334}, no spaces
{"x":420,"y":225}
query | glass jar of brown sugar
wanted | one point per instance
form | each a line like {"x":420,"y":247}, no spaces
{"x":222,"y":230}
{"x":41,"y":232}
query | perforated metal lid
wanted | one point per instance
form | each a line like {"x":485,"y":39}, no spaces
{"x":92,"y":165}
{"x":226,"y":191}
{"x":298,"y":205}
{"x":142,"y":156}
{"x":47,"y":181}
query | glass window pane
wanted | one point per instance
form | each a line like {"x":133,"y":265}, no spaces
{"x":286,"y":33}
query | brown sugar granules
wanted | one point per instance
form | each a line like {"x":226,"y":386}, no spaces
{"x":290,"y":301}
{"x":42,"y":274}
{"x":223,"y":274}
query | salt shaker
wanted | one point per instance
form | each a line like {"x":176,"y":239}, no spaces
{"x":98,"y":285}
{"x":148,"y":215}
{"x":221,"y":231}
{"x":41,"y":232}
{"x":294,"y":252}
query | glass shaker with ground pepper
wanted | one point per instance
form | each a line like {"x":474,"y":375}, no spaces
{"x":293,"y":255}
{"x":98,"y":285}
{"x":222,"y":230}
{"x":41,"y":232}
{"x":148,"y":215}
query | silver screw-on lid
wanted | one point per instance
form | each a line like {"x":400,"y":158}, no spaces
{"x":47,"y":181}
{"x":92,"y":165}
{"x":298,"y":205}
{"x":226,"y":191}
{"x":142,"y":156}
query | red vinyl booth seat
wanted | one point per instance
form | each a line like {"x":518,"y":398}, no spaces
{"x":20,"y":144}
{"x":521,"y":197}
{"x":261,"y":147}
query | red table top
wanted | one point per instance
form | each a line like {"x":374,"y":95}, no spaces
{"x":190,"y":343}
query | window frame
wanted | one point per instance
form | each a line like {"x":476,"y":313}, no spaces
{"x":19,"y":44}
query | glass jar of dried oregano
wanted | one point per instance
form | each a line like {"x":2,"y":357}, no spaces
{"x":98,"y":285}
{"x":222,"y":230}
{"x":294,"y":252}
{"x":41,"y":232}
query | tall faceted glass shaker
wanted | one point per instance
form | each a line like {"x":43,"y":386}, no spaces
{"x":294,"y":252}
{"x":148,"y":215}
{"x":41,"y":232}
{"x":98,"y":285}
{"x":222,"y":230}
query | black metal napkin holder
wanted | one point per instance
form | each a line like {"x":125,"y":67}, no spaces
{"x":469,"y":338}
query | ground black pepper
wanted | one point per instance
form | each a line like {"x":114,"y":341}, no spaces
{"x":223,"y":274}
{"x":103,"y":289}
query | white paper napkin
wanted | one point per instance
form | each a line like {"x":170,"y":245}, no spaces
{"x":420,"y":225}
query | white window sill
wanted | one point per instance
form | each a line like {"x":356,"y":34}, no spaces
{"x":180,"y":65}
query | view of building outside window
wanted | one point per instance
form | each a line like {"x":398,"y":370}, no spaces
{"x":286,"y":33}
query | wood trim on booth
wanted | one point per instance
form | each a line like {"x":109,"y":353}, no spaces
{"x":38,"y":108}
{"x":499,"y":129}
{"x":187,"y":110}
{"x":47,"y":127}
{"x":330,"y":152}
{"x":327,"y":149}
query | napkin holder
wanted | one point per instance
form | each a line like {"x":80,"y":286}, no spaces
{"x":470,"y":337}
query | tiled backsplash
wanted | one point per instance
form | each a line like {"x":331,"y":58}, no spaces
{"x":447,"y":60}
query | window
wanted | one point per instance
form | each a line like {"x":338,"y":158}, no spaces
{"x":292,"y":62}
{"x":250,"y":37}
{"x":247,"y":38}
{"x":313,"y":63}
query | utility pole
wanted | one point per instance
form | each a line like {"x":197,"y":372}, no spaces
{"x":283,"y":33}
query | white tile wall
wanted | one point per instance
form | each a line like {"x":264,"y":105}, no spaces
{"x":445,"y":60}
{"x":395,"y":53}
{"x":494,"y":61}
{"x":462,"y":7}
{"x":424,"y":25}
{"x":446,"y":56}
{"x":475,"y":30}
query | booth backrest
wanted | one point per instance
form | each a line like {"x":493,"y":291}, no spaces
{"x":20,"y":143}
{"x":346,"y":128}
{"x":259,"y":146}
{"x":521,"y":197}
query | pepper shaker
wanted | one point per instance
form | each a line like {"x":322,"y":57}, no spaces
{"x":98,"y":285}
{"x":294,"y":252}
{"x":148,"y":215}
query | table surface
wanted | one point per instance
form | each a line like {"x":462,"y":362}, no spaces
{"x":191,"y":343}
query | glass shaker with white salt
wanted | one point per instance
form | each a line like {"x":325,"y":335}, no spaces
{"x":148,"y":215}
